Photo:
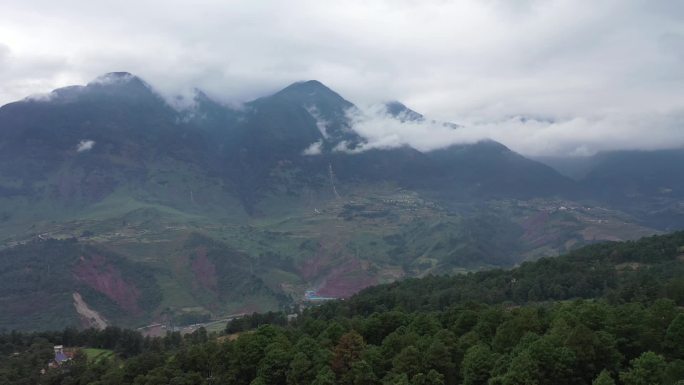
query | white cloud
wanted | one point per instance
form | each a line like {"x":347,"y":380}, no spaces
{"x":321,"y":123}
{"x":530,"y":136}
{"x":314,"y":149}
{"x":382,"y":130}
{"x":112,"y":78}
{"x":590,"y":65}
{"x":85,"y":145}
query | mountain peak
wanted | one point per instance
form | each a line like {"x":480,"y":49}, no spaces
{"x":401,"y":112}
{"x":308,"y":89}
{"x":124,"y":80}
{"x":314,"y":94}
{"x":115,"y":78}
{"x":122,"y":84}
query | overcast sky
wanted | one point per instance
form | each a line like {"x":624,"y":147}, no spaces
{"x":586,"y":75}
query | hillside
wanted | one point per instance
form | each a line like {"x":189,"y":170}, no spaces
{"x":634,"y":271}
{"x":280,"y":194}
{"x":46,"y":283}
{"x":608,"y":313}
{"x":646,"y":184}
{"x":64,"y":283}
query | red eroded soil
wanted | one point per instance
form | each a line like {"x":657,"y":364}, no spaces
{"x":204,"y":270}
{"x":534,"y":227}
{"x":345,"y":280}
{"x":105,"y":278}
{"x":312,"y":267}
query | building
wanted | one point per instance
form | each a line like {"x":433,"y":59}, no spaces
{"x":60,"y":356}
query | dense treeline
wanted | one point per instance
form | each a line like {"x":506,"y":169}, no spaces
{"x":628,"y":330}
{"x":575,"y":342}
{"x":255,"y":320}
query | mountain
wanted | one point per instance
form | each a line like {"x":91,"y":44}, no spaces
{"x":78,"y":144}
{"x":241,"y":147}
{"x":496,"y":171}
{"x":232,"y":209}
{"x":638,"y":174}
{"x":403,"y":113}
{"x":647,"y":184}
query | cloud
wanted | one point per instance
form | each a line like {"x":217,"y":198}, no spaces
{"x":113,"y":78}
{"x":382,"y":130}
{"x":85,"y":145}
{"x":528,"y":135}
{"x":321,"y":123}
{"x":585,"y":66}
{"x":316,"y":148}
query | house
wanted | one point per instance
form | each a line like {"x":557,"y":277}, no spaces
{"x":60,"y":356}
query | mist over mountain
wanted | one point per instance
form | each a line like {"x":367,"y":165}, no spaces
{"x":123,"y":120}
{"x":393,"y":192}
{"x":295,"y":191}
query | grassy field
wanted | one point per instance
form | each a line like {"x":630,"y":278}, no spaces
{"x":98,"y":354}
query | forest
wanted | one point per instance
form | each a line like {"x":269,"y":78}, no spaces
{"x":605,"y":314}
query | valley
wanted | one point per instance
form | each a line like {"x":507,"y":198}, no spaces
{"x":336,"y":248}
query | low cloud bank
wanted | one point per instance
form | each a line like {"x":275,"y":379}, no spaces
{"x":579,"y":136}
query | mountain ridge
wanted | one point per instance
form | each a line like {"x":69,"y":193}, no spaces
{"x":196,"y":194}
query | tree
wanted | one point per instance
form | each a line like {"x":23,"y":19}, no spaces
{"x":647,"y":369}
{"x":347,"y":351}
{"x":396,"y":379}
{"x":301,"y":370}
{"x":324,"y":377}
{"x":332,"y":333}
{"x":604,"y":378}
{"x":408,"y":361}
{"x":510,"y":332}
{"x":523,"y":370}
{"x":675,"y":372}
{"x":545,"y":361}
{"x":432,"y":378}
{"x":360,"y":373}
{"x":466,"y":320}
{"x":477,"y":364}
{"x":275,"y":364}
{"x":593,"y":351}
{"x":250,"y":349}
{"x":440,"y":358}
{"x":674,"y":337}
